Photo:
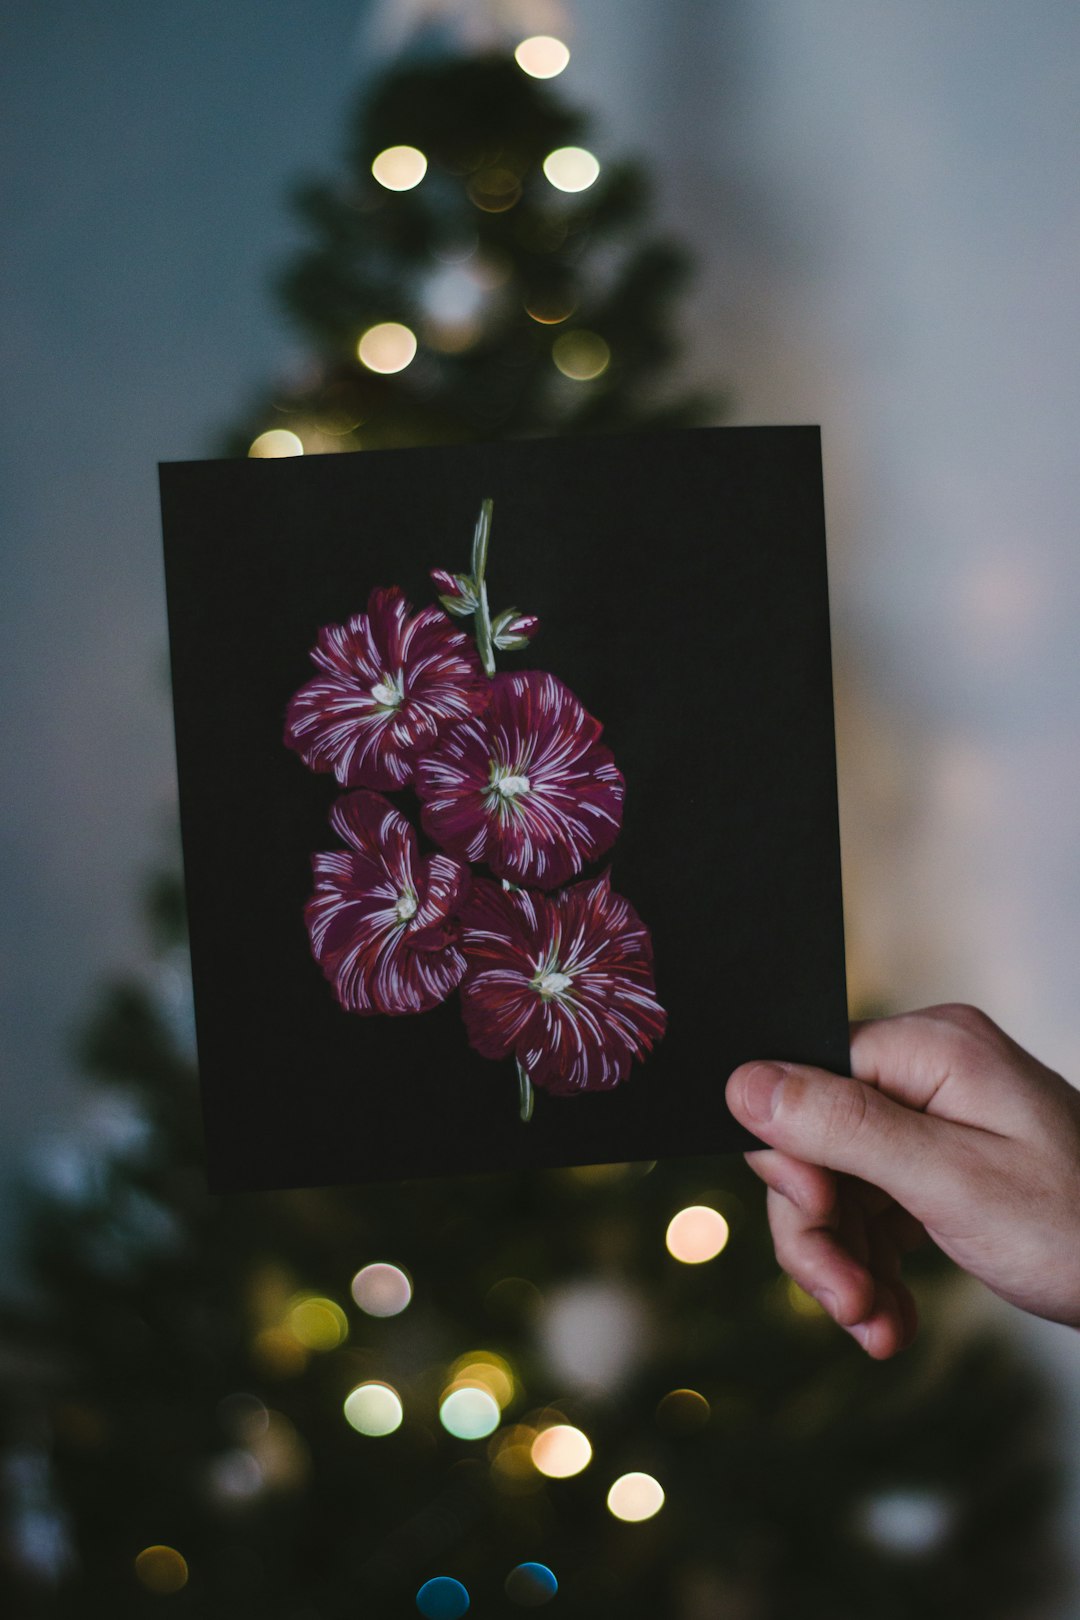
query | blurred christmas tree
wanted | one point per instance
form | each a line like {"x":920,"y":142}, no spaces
{"x":307,"y":1405}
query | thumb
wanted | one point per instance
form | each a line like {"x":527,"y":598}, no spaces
{"x":845,"y":1125}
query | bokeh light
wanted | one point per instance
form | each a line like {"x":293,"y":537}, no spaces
{"x":802,"y":1303}
{"x":542,"y":56}
{"x":381,"y":1289}
{"x":511,"y":1454}
{"x":161,"y":1569}
{"x":276,"y":442}
{"x":485,"y":1370}
{"x":634,"y":1497}
{"x":400,"y":168}
{"x":696,"y":1234}
{"x":442,"y":1598}
{"x":561,"y":1451}
{"x":387,"y":347}
{"x":374,"y":1409}
{"x":683,"y":1411}
{"x":469,"y":1413}
{"x":580,"y":355}
{"x":549,"y":308}
{"x":318,"y":1323}
{"x":494,"y":189}
{"x":531,"y":1585}
{"x":571,"y":168}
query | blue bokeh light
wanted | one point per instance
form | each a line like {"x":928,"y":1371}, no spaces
{"x":442,"y":1598}
{"x":531,"y":1585}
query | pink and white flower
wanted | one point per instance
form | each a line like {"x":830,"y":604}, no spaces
{"x":382,"y":918}
{"x":391,"y":681}
{"x":526,"y":786}
{"x":564,"y":982}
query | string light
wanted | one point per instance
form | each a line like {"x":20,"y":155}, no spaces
{"x":400,"y":168}
{"x":161,"y":1569}
{"x":374,"y":1409}
{"x":542,"y":56}
{"x":561,"y":1451}
{"x":381,"y":1290}
{"x":682,"y":1411}
{"x":635,"y":1497}
{"x":580,"y":355}
{"x":485,"y":1370}
{"x":276,"y":442}
{"x":571,"y":168}
{"x":318,"y":1324}
{"x":531,"y":1585}
{"x":696,"y":1234}
{"x":469,"y":1413}
{"x":387,"y":347}
{"x":442,"y":1598}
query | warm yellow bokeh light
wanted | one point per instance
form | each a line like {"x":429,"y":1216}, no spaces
{"x":542,"y":56}
{"x":561,"y":1451}
{"x":571,"y":168}
{"x":161,"y":1569}
{"x":469,"y":1413}
{"x":580,"y":355}
{"x":485,"y":1369}
{"x":802,"y":1303}
{"x":696,"y":1234}
{"x":400,"y":168}
{"x":276,"y":442}
{"x":374,"y":1409}
{"x":387,"y":347}
{"x":634,"y":1497}
{"x":682,"y":1411}
{"x":381,"y":1290}
{"x":318,"y":1323}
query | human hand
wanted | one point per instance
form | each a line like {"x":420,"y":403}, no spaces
{"x":950,"y":1131}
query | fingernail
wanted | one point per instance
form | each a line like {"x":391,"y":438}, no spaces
{"x":761,"y":1090}
{"x":861,"y":1331}
{"x":827,"y":1301}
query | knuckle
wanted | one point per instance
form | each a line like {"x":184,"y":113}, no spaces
{"x":966,"y":1019}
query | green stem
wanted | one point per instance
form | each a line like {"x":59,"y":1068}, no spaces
{"x":525,"y":1091}
{"x":481,"y":537}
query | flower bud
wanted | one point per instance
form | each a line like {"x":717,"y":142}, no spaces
{"x":457,"y":592}
{"x":513,"y":630}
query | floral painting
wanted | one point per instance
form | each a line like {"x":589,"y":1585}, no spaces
{"x":508,"y":798}
{"x":518,"y":795}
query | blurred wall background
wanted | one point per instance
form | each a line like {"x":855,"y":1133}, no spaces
{"x":884,"y":196}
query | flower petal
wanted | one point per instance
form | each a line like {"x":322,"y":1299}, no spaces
{"x":563,"y":981}
{"x":390,"y":681}
{"x":525,"y":786}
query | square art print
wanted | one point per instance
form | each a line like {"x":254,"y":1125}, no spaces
{"x":508,"y":798}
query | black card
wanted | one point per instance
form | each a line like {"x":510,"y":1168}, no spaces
{"x":447,"y":920}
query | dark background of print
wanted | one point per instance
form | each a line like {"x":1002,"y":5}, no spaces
{"x":680,"y":582}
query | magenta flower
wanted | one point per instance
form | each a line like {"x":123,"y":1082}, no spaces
{"x":562,"y":981}
{"x":381,"y":920}
{"x":390,"y":684}
{"x":525,"y":786}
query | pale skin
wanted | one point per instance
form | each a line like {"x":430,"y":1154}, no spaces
{"x":950,"y":1132}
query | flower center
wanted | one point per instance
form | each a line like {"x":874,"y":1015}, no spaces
{"x":389,"y":692}
{"x":552,"y":983}
{"x":405,"y":908}
{"x":507,"y":785}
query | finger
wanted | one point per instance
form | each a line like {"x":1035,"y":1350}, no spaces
{"x":884,"y":1330}
{"x":819,"y":1263}
{"x":951,"y":1061}
{"x":808,"y":1186}
{"x":845,"y":1125}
